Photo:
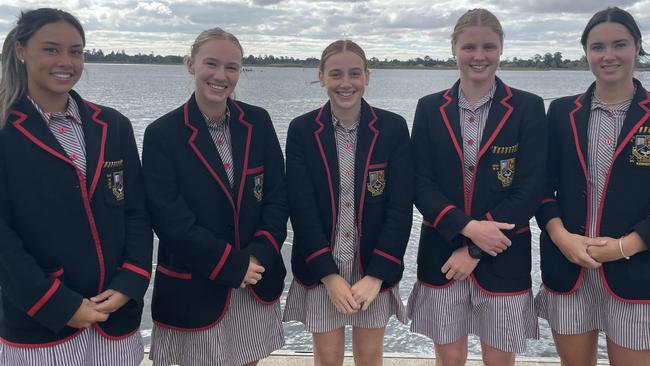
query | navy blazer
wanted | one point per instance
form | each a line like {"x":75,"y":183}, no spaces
{"x":625,"y":205}
{"x":66,"y":237}
{"x":208,"y":230}
{"x":383,"y":194}
{"x":507,"y":184}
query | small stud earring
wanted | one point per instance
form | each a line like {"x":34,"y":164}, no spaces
{"x":22,"y":61}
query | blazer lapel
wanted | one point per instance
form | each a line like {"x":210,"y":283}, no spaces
{"x":201,"y":143}
{"x":636,"y":116}
{"x":95,"y":130}
{"x":451,"y":118}
{"x":500,"y":111}
{"x":579,"y":120}
{"x":367,"y":134}
{"x":324,"y":135}
{"x":241,"y":132}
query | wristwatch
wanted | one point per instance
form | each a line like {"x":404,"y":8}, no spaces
{"x":474,"y":251}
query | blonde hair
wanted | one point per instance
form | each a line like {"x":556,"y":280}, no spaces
{"x":211,"y":34}
{"x":477,"y":18}
{"x":339,"y":46}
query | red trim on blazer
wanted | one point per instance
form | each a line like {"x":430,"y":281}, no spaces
{"x":45,"y":298}
{"x":427,"y":223}
{"x":440,"y":216}
{"x":328,"y":173}
{"x":317,"y":253}
{"x":221,"y":262}
{"x":256,"y":170}
{"x":613,"y":294}
{"x":100,"y":160}
{"x":58,"y":273}
{"x":371,"y":126}
{"x":582,"y":160}
{"x":491,"y":293}
{"x":43,"y":345}
{"x":378,"y":166}
{"x":260,"y":300}
{"x":459,"y":152}
{"x":269,"y":237}
{"x":547,"y":200}
{"x":133,"y":268}
{"x":620,"y":148}
{"x":387,"y":256}
{"x":451,"y":282}
{"x":226,"y":191}
{"x":242,"y":181}
{"x":522,"y":230}
{"x":82,"y":186}
{"x":573,"y":289}
{"x":114,"y":338}
{"x":486,"y":146}
{"x":220,"y":318}
{"x":168,"y":272}
{"x":488,"y":216}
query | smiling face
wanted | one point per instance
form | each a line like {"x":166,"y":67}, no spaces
{"x":215,"y":66}
{"x":345,"y":77}
{"x":611,"y":53}
{"x":478,"y":51}
{"x":54,"y":61}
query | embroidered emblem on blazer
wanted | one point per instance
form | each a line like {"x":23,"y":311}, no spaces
{"x":640,"y":150}
{"x":376,"y":182}
{"x":258,"y":187}
{"x":505,"y":149}
{"x":113,"y":164}
{"x":116,"y":184}
{"x":505,"y":171}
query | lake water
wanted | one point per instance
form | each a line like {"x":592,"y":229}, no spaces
{"x":146,"y":92}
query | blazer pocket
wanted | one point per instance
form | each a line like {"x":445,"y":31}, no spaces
{"x":516,"y":261}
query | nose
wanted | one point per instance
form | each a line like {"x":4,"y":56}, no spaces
{"x":609,"y":53}
{"x":219,"y":72}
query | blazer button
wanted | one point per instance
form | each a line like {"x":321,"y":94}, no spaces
{"x":584,"y":193}
{"x":581,"y":230}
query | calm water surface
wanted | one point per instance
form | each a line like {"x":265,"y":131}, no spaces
{"x":146,"y":92}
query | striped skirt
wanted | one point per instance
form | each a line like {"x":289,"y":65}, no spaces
{"x":88,"y":348}
{"x":447,"y":314}
{"x":313,"y":307}
{"x":591,"y":307}
{"x":249,"y":331}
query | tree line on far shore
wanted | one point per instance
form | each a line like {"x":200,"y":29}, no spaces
{"x":546,"y":61}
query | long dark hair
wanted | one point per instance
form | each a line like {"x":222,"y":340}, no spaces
{"x":13,"y":84}
{"x":614,"y":15}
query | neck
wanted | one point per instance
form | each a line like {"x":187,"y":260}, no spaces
{"x":347,"y":117}
{"x":50,"y":103}
{"x":614,"y":93}
{"x":474,"y":91}
{"x":212,"y":110}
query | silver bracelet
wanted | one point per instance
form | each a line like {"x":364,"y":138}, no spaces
{"x":620,"y":246}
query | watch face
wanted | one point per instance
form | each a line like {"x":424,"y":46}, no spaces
{"x":474,"y":251}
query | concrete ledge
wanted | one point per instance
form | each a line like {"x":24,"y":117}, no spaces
{"x":287,"y":358}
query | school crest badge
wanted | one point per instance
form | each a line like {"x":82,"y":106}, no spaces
{"x":116,"y":184}
{"x":505,"y":171}
{"x":258,"y":187}
{"x":640,"y":150}
{"x":376,"y":182}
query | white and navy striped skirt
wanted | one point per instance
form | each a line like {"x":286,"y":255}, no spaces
{"x":313,"y":307}
{"x":447,"y":314}
{"x":590,"y":308}
{"x":248,"y":332}
{"x":89,"y":348}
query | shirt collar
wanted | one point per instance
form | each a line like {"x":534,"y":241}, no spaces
{"x":621,"y":107}
{"x":337,"y":123}
{"x":71,"y":112}
{"x":464,"y":103}
{"x":221,"y":121}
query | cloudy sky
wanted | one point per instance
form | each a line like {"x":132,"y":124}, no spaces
{"x":399,"y":29}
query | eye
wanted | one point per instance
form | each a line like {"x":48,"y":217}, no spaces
{"x":355,"y":73}
{"x":468,"y":47}
{"x":335,"y":74}
{"x":51,"y":50}
{"x":78,"y":52}
{"x":232,"y":68}
{"x":211,"y":64}
{"x":596,"y":47}
{"x":620,"y":45}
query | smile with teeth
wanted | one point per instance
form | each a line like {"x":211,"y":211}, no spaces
{"x":345,"y":93}
{"x":62,"y":75}
{"x":217,"y":87}
{"x":478,"y":67}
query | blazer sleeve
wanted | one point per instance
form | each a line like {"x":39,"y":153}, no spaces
{"x":549,"y":207}
{"x":175,"y":223}
{"x":388,"y":254}
{"x":133,"y":278}
{"x":23,"y":281}
{"x":272,"y":229}
{"x":435,"y":207}
{"x":309,"y":239}
{"x":528,"y":185}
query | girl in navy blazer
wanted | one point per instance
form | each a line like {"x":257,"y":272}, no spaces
{"x":479,"y":166}
{"x":350,"y":196}
{"x":595,"y":215}
{"x":215,"y":181}
{"x":75,"y":258}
